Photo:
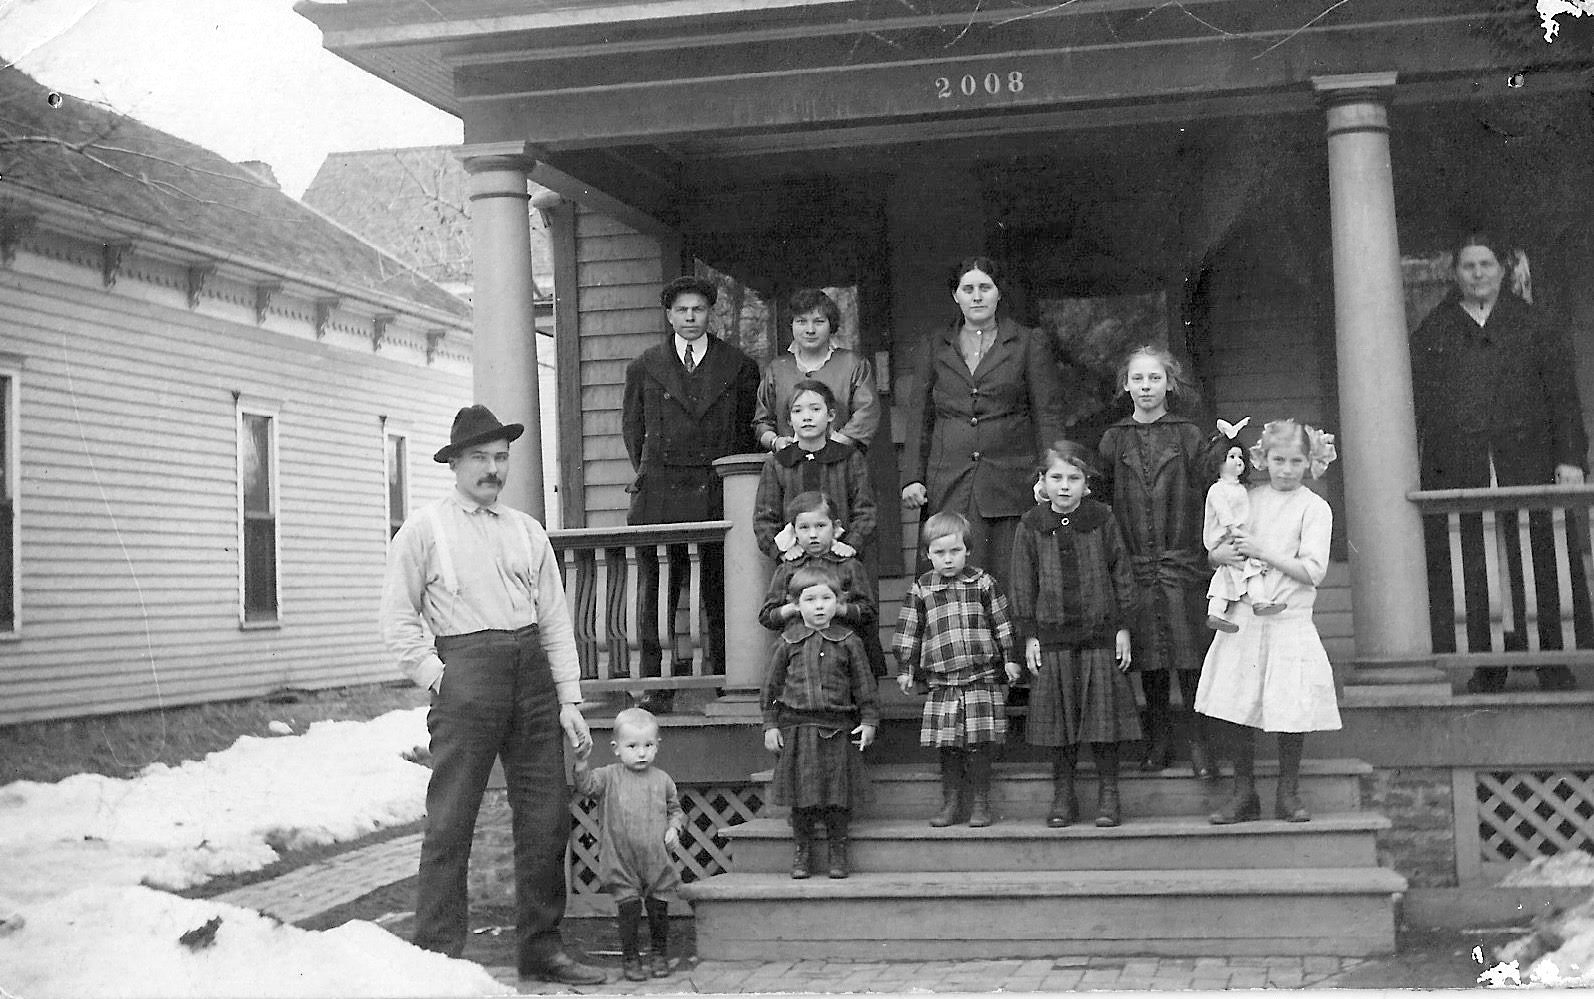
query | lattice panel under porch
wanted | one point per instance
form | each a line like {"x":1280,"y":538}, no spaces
{"x":708,"y":808}
{"x":1524,"y":814}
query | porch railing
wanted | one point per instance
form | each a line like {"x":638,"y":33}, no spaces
{"x":1524,"y":536}
{"x":601,"y":576}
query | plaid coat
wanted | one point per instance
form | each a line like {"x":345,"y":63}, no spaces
{"x":1073,"y":585}
{"x":839,"y":471}
{"x":1158,"y":474}
{"x":954,"y":632}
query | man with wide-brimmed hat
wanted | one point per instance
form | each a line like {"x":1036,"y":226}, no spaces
{"x":501,"y":666}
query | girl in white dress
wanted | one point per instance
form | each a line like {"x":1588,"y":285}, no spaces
{"x":1272,"y":673}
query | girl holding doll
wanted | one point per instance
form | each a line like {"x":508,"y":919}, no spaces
{"x":1271,"y":673}
{"x":816,"y":462}
{"x":1157,"y":464}
{"x":1073,"y":594}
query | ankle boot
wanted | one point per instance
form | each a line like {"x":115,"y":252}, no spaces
{"x":1245,"y":806}
{"x":1107,"y":814}
{"x":802,"y":834}
{"x":1287,"y":800}
{"x":980,"y":785}
{"x":1065,"y":806}
{"x":1202,"y":763}
{"x":953,"y":771}
{"x":837,"y":821}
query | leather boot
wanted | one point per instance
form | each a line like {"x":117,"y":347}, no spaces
{"x":979,"y":782}
{"x":1065,"y":806}
{"x":953,"y":772}
{"x":837,"y":821}
{"x":1202,"y":763}
{"x":802,"y":833}
{"x":1287,"y":800}
{"x":1245,"y":806}
{"x":1107,"y":814}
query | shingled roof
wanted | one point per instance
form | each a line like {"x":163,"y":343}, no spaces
{"x":92,"y":157}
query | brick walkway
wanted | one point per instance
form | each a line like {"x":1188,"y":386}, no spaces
{"x":316,"y":888}
{"x":1056,"y":975}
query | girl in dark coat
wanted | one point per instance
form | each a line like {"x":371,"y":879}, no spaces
{"x":1158,"y":465}
{"x":1493,"y":380}
{"x":815,"y":463}
{"x":1073,"y":594}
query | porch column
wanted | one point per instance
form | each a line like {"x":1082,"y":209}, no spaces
{"x":747,"y":574}
{"x":1378,"y":423}
{"x":504,"y":365}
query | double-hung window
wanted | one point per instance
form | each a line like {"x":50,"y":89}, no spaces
{"x":10,"y":556}
{"x":398,"y":481}
{"x":257,"y":502}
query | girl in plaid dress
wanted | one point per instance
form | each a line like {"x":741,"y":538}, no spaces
{"x":955,"y":635}
{"x":819,"y":690}
{"x":1073,"y":595}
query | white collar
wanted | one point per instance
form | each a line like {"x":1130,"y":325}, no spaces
{"x":830,"y":352}
{"x":699,"y":347}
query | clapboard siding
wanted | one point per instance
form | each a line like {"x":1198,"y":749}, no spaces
{"x":619,"y":272}
{"x":128,"y":499}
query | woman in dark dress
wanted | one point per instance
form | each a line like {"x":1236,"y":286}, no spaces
{"x":1497,"y":404}
{"x":988,"y":400}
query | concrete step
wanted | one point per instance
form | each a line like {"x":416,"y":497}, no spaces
{"x":962,"y":915}
{"x":1343,"y":840}
{"x":1024,"y":790}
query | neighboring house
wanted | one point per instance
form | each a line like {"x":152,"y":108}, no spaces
{"x":216,"y":406}
{"x":414,"y":203}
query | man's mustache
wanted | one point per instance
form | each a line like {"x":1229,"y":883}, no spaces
{"x":490,"y":480}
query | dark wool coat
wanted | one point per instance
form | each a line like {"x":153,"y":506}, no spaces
{"x":974,"y":439}
{"x":675,"y":425}
{"x":1157,"y":475}
{"x":1506,"y":389}
{"x":839,"y":471}
{"x":1072,"y":586}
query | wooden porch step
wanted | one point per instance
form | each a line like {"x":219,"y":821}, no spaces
{"x":1022,"y":791}
{"x":1021,"y":914}
{"x":1346,"y":839}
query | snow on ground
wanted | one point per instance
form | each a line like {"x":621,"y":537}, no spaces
{"x":1560,"y":950}
{"x":127,"y":942}
{"x":174,"y":827}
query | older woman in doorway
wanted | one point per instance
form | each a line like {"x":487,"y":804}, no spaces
{"x":1497,"y":405}
{"x":988,"y":400}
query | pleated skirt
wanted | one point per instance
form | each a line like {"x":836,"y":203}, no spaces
{"x":818,"y":767}
{"x":1080,"y":696}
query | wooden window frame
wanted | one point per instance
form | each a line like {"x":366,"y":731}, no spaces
{"x":11,"y":504}
{"x":388,"y":437}
{"x":270,"y":410}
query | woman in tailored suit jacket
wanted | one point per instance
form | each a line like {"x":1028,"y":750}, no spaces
{"x":978,"y":431}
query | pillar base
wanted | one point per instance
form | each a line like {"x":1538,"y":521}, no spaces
{"x":736,"y":705}
{"x":1390,"y":681}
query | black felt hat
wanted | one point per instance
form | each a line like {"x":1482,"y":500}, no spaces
{"x":474,"y":425}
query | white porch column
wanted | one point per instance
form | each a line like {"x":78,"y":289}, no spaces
{"x":1378,"y":423}
{"x":504,"y":365}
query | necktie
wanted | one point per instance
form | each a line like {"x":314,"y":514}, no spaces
{"x":690,"y":364}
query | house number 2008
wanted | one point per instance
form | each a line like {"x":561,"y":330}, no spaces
{"x":991,"y":83}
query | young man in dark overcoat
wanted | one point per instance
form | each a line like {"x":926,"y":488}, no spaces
{"x":688,"y":401}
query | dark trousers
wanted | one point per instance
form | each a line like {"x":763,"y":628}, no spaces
{"x":679,"y":577}
{"x":497,"y":702}
{"x":1475,"y":584}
